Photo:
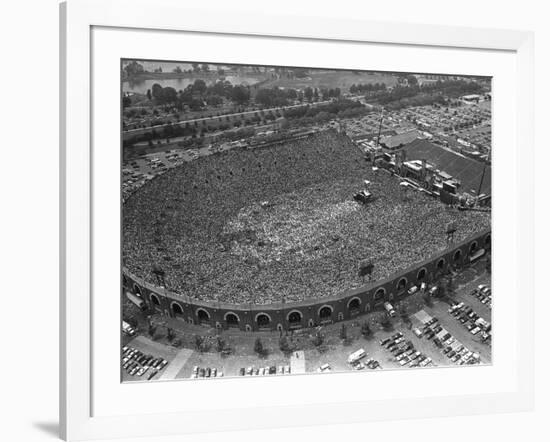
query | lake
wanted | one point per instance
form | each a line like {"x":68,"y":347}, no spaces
{"x":142,"y":86}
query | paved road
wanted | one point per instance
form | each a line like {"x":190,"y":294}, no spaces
{"x":176,"y":365}
{"x":298,"y":362}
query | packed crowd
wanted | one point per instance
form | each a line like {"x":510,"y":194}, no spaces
{"x":280,"y":224}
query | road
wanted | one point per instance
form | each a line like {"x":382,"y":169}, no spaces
{"x":198,"y":120}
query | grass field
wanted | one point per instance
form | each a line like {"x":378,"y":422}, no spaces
{"x":333,"y":79}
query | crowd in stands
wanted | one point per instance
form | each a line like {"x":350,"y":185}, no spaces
{"x":280,"y":224}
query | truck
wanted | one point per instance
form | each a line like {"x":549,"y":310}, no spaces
{"x":389,"y":308}
{"x":356,"y":356}
{"x":140,"y":303}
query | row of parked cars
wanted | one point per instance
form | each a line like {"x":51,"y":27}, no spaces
{"x":404,"y":352}
{"x":137,"y":363}
{"x":264,"y":371}
{"x":206,"y":372}
{"x":475,"y":324}
{"x":483,"y":293}
{"x":453,"y":349}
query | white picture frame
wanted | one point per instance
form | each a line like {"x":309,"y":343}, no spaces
{"x":79,"y":418}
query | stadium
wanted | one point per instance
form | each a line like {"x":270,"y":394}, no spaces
{"x":272,"y":237}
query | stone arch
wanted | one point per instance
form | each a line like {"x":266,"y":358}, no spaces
{"x":280,"y":327}
{"x":310,"y":323}
{"x":137,"y":290}
{"x":379,"y":294}
{"x":440,"y":263}
{"x":294,"y":317}
{"x":473,"y":247}
{"x":232,"y":319}
{"x":325,"y":312}
{"x":354,"y":304}
{"x":154,"y":299}
{"x":202,"y":315}
{"x":421,"y":275}
{"x":457,"y":255}
{"x":248,"y":328}
{"x":401,"y":284}
{"x":262,"y":319}
{"x":367,"y":307}
{"x":176,"y":308}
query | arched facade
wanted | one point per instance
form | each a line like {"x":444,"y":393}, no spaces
{"x":281,"y":316}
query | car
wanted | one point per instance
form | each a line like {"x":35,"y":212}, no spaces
{"x":242,"y":371}
{"x":195,"y":369}
{"x":152,"y":375}
{"x":412,"y":290}
{"x":384,"y":342}
{"x":214,"y":372}
{"x":256,"y":372}
{"x":372,"y":364}
{"x":359,"y":366}
{"x":202,"y":372}
{"x":475,"y":330}
{"x":281,"y":369}
{"x":426,"y":362}
{"x":455,"y":358}
{"x":273,"y":370}
{"x":287,"y":368}
{"x":417,"y":332}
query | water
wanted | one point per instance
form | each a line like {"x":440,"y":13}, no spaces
{"x":180,"y":83}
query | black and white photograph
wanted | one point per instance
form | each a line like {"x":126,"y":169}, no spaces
{"x":283,"y":220}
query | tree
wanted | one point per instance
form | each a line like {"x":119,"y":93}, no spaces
{"x":195,"y":66}
{"x":343,"y":332}
{"x":156,"y":91}
{"x":259,"y":348}
{"x":126,"y":101}
{"x":285,"y":345}
{"x":205,"y":67}
{"x":386,"y":322}
{"x":308,"y":93}
{"x":366,"y":330}
{"x":169,"y":334}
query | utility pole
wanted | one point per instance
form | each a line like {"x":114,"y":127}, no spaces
{"x":379,"y":128}
{"x":481,"y":181}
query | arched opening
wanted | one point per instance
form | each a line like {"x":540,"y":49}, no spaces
{"x":488,"y":240}
{"x":379,"y":294}
{"x":325,"y":312}
{"x":263,"y":320}
{"x":457,"y":255}
{"x":402,"y":284}
{"x":231,"y":319}
{"x":354,"y":305}
{"x":176,"y":309}
{"x":421,"y":274}
{"x":137,"y":290}
{"x":294,"y":317}
{"x":155,"y":299}
{"x":473,"y":247}
{"x":440,"y":264}
{"x":203,"y":316}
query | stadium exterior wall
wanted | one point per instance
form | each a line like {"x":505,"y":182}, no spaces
{"x":311,"y":312}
